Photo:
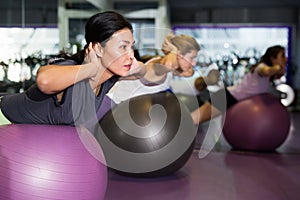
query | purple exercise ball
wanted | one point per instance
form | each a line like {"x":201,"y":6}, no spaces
{"x":39,"y":162}
{"x":259,"y":123}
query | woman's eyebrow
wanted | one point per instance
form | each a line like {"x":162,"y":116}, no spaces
{"x":127,"y":42}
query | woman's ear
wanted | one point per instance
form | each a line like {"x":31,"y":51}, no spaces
{"x":98,"y":49}
{"x":179,"y":55}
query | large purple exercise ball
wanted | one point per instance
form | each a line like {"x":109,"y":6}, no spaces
{"x":39,"y":162}
{"x":259,"y":123}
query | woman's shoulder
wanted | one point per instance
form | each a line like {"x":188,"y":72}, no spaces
{"x":260,"y":66}
{"x":64,"y":58}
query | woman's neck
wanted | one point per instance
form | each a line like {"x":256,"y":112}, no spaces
{"x":97,"y":81}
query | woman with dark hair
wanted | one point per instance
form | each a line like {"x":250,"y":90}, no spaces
{"x":257,"y":81}
{"x":71,"y":88}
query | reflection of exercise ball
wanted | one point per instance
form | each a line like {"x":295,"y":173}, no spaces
{"x":49,"y":162}
{"x":260,"y":123}
{"x":147,"y":136}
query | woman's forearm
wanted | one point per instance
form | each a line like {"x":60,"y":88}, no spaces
{"x":270,"y":71}
{"x":54,"y":78}
{"x":160,"y":69}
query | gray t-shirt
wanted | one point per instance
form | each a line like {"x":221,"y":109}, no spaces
{"x":78,"y":106}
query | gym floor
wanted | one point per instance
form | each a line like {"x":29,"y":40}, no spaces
{"x":222,"y":174}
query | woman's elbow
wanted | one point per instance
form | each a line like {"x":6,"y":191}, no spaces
{"x":43,"y":83}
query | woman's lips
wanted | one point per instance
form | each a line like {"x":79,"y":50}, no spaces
{"x":128,"y":66}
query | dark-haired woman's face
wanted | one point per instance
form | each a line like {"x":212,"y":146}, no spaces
{"x":118,"y":53}
{"x":280,"y":59}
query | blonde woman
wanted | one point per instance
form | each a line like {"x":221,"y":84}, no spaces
{"x":158,"y":75}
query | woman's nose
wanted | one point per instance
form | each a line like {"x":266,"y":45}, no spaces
{"x":131,"y":54}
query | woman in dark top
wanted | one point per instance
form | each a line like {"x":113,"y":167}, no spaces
{"x":70,"y":89}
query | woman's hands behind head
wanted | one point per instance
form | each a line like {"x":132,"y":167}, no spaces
{"x":280,"y":71}
{"x":170,"y":51}
{"x":275,"y":71}
{"x":167,"y":46}
{"x":93,"y":60}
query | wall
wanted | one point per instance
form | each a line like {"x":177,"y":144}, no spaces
{"x":44,"y":13}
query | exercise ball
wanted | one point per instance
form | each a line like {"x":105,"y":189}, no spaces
{"x":259,"y":123}
{"x":40,"y":162}
{"x":147,"y":136}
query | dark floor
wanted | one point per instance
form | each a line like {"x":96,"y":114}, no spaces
{"x":223,"y":174}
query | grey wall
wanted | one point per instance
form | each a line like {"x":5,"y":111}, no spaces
{"x":44,"y":13}
{"x":33,"y":13}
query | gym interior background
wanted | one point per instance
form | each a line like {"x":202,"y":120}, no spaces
{"x":232,"y":33}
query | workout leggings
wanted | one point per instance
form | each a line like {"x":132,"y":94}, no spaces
{"x":222,"y":100}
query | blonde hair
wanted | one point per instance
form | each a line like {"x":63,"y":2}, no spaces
{"x":185,"y":43}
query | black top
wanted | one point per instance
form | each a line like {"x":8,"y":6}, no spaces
{"x":78,"y":105}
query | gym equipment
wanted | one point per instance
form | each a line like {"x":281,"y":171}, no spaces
{"x":147,"y":136}
{"x":259,"y":123}
{"x":50,"y":162}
